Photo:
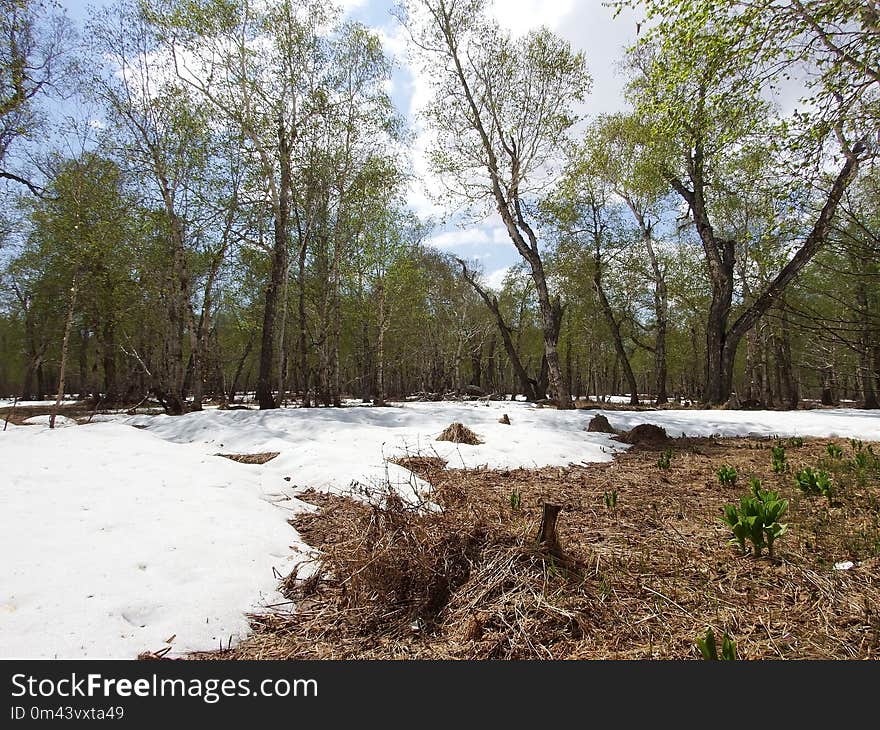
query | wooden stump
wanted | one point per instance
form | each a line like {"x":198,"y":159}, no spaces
{"x":547,"y":534}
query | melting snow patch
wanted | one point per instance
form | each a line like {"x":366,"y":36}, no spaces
{"x":115,"y":540}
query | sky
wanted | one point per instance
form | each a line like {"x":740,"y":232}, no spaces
{"x":587,"y":24}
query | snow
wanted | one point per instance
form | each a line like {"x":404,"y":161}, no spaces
{"x":60,"y":421}
{"x":9,"y":402}
{"x":838,"y":422}
{"x":114,"y":540}
{"x":617,"y":399}
{"x":328,"y":449}
{"x":117,"y":538}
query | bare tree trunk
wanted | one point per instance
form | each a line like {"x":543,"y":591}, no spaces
{"x":828,"y":395}
{"x":788,"y":389}
{"x":108,"y":356}
{"x":522,"y":235}
{"x":380,"y":347}
{"x":525,"y":384}
{"x":614,"y":327}
{"x":238,"y":368}
{"x":766,"y":390}
{"x":866,"y":369}
{"x":276,"y":275}
{"x":68,"y":325}
{"x":661,"y":303}
{"x":336,"y":335}
{"x":303,"y":333}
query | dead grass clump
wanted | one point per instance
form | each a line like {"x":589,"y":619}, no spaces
{"x":422,"y":466}
{"x":251,"y":458}
{"x":396,"y":566}
{"x":458,"y":433}
{"x":645,"y":434}
{"x":399,"y":581}
{"x":505,"y":419}
{"x":600,"y":424}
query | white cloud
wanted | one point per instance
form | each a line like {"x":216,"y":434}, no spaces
{"x":495,"y":279}
{"x":349,"y":5}
{"x":521,"y":16}
{"x":480,"y":235}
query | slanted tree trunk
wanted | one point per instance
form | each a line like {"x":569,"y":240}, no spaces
{"x":526,"y":386}
{"x":661,"y":302}
{"x":614,"y":327}
{"x":236,"y":378}
{"x":522,"y":235}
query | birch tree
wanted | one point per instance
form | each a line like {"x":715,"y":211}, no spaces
{"x":501,"y":110}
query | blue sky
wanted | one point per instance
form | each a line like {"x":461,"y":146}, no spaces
{"x":587,"y":24}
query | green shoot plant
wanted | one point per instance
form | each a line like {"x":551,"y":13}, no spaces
{"x":813,"y":482}
{"x":709,"y":648}
{"x":834,"y":451}
{"x":515,"y":500}
{"x":863,"y":458}
{"x":726,"y":475}
{"x":610,"y":499}
{"x":780,"y":464}
{"x":757,"y":519}
{"x":796,"y":442}
{"x":665,"y":459}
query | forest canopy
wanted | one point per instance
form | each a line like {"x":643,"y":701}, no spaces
{"x":206,"y":198}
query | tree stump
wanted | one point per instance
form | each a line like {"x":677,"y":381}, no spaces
{"x":547,"y":534}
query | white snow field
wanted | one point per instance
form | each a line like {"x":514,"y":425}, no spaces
{"x":116,"y":538}
{"x":328,"y":449}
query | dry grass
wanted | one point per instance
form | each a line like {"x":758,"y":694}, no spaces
{"x":261,"y":458}
{"x":458,"y":433}
{"x":650,"y":575}
{"x":646,"y":434}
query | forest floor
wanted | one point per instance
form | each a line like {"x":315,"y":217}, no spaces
{"x":159,"y":546}
{"x":645,"y":572}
